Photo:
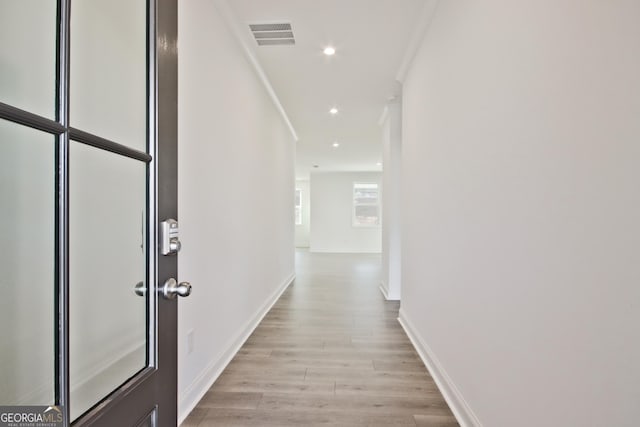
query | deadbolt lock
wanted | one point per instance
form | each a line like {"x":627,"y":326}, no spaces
{"x":169,"y":237}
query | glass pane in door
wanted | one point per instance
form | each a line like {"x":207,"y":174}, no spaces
{"x":108,"y":260}
{"x":109,"y":70}
{"x":27,"y":259}
{"x":28,"y":55}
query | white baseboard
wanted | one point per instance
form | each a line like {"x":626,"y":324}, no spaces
{"x":40,"y":394}
{"x":315,"y":250}
{"x":103,"y":364}
{"x":197,"y":389}
{"x":385,"y":292}
{"x":461,"y":410}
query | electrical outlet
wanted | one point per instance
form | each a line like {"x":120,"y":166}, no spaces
{"x":190,"y":342}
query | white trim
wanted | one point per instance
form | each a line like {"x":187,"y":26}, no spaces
{"x":241,"y":35}
{"x":41,"y":393}
{"x":386,"y":110}
{"x":203,"y":382}
{"x":417,"y":36}
{"x":344,"y":251}
{"x":458,"y":405}
{"x":102,"y":380}
{"x":384,"y":290}
{"x":106,"y":361}
{"x":383,"y":116}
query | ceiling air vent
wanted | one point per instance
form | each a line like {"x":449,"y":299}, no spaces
{"x":273,"y":34}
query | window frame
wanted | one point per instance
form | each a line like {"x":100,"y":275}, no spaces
{"x":354,"y":205}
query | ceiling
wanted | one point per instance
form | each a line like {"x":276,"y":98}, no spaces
{"x":370,"y":38}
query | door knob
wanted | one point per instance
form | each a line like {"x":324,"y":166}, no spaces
{"x":140,"y":289}
{"x":173,"y":289}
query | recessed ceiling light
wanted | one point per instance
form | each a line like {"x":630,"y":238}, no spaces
{"x":379,"y":164}
{"x":329,"y":51}
{"x":336,"y":145}
{"x":334,"y":111}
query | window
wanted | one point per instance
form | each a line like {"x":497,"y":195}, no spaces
{"x":298,"y":203}
{"x":366,"y":205}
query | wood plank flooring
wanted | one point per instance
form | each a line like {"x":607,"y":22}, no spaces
{"x":330,"y":352}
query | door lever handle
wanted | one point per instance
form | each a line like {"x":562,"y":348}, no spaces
{"x":173,"y":289}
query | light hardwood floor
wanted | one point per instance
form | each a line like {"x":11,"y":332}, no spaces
{"x":330,"y":352}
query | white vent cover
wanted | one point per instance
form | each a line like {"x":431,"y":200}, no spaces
{"x":273,"y":34}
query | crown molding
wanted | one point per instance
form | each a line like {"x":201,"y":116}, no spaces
{"x":230,"y":18}
{"x":417,"y":36}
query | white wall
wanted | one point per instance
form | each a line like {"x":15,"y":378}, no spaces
{"x":302,"y":230}
{"x":27,"y":191}
{"x":236,"y":183}
{"x":521,"y":266}
{"x":331,"y":214}
{"x":391,"y":182}
{"x":27,"y":64}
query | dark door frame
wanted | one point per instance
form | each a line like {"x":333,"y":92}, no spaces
{"x":156,"y":386}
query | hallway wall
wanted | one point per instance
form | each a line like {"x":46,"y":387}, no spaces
{"x":236,"y":184}
{"x":303,"y":230}
{"x":391,"y":278}
{"x":332,"y":212}
{"x":521,"y":261}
